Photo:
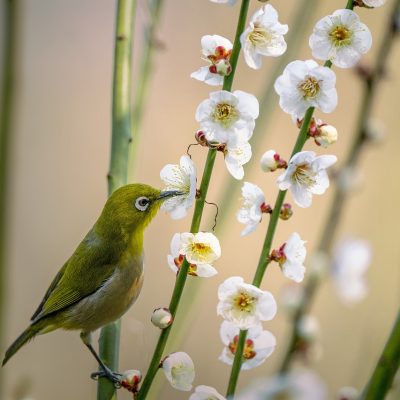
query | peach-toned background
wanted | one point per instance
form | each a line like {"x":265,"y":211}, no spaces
{"x":61,"y":144}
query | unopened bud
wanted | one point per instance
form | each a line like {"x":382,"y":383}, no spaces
{"x":327,"y":135}
{"x":162,"y":318}
{"x":130,"y":380}
{"x":200,"y":137}
{"x":270,"y":161}
{"x":286,"y":211}
{"x":266,"y":208}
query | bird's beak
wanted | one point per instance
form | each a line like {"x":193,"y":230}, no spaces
{"x":169,"y":193}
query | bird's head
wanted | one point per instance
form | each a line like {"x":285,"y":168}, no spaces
{"x":132,"y":207}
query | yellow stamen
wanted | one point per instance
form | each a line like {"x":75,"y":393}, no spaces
{"x":310,"y":87}
{"x":245,"y":302}
{"x":340,"y":36}
{"x":225,"y":114}
{"x":259,"y":37}
{"x":304,"y":176}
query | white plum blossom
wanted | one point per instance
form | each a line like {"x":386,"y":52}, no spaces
{"x":216,"y":50}
{"x":227,"y":116}
{"x":306,"y":175}
{"x":179,"y":370}
{"x":372,"y":3}
{"x":263,"y":37}
{"x":201,"y":250}
{"x":300,"y":385}
{"x":229,"y":2}
{"x":351,"y":261}
{"x":203,"y":392}
{"x":305,"y":84}
{"x":251,"y":211}
{"x":182,"y":178}
{"x":259,"y":345}
{"x":243,"y":304}
{"x":341,"y":38}
{"x":237,"y":153}
{"x":291,"y":257}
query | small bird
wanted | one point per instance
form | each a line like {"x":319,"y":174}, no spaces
{"x":104,"y":275}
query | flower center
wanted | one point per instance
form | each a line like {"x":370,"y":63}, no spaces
{"x":179,"y":261}
{"x":310,"y":87}
{"x":304,"y":176}
{"x":245,"y":302}
{"x":259,"y":37}
{"x":340,"y":36}
{"x":220,"y":54}
{"x":248,"y":350}
{"x":201,"y":251}
{"x":225,"y":114}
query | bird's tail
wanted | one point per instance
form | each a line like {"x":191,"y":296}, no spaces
{"x":27,"y":335}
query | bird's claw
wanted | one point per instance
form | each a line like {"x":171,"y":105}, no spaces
{"x":113,"y":377}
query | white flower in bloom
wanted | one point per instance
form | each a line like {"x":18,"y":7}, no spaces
{"x":237,"y":153}
{"x":206,"y":243}
{"x":373,"y":3}
{"x":258,"y":347}
{"x":250,"y":213}
{"x":226,"y":116}
{"x":243,"y":304}
{"x":352,"y":259}
{"x":264,"y":37}
{"x":229,"y":2}
{"x":305,"y":84}
{"x":216,"y":50}
{"x":182,"y":178}
{"x":203,"y":392}
{"x":340,"y":38}
{"x":179,"y":370}
{"x":294,"y":254}
{"x":306,"y":175}
{"x":302,"y":385}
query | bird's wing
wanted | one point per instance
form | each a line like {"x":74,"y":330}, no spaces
{"x":83,"y":274}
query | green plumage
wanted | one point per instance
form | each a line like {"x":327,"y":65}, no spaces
{"x":104,"y":275}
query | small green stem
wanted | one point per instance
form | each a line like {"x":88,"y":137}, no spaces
{"x":340,"y":197}
{"x":145,"y":73}
{"x":236,"y":361}
{"x":382,"y":377}
{"x":10,"y":38}
{"x":118,"y":172}
{"x":196,"y":220}
{"x":244,"y":8}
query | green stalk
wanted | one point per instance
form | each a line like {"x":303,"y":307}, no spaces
{"x":340,"y":197}
{"x":118,"y":172}
{"x":10,"y":34}
{"x":266,"y":249}
{"x":146,"y":70}
{"x":301,"y":21}
{"x":382,"y":377}
{"x":196,"y":220}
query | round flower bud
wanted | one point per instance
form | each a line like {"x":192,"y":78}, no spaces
{"x":130,"y":380}
{"x":162,"y":318}
{"x":223,"y":67}
{"x":269,"y":161}
{"x":200,"y":137}
{"x":286,"y":211}
{"x":327,"y":135}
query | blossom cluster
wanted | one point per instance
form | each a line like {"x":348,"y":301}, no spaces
{"x":226,"y":123}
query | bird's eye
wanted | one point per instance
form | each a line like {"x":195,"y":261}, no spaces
{"x":142,"y":203}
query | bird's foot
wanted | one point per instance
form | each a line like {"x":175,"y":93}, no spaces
{"x":113,"y":377}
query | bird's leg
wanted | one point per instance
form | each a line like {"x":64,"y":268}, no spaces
{"x":106,"y":372}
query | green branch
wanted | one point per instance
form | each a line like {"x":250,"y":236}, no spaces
{"x":10,"y":35}
{"x":146,"y":70}
{"x":118,"y":172}
{"x":196,"y":220}
{"x":340,"y":196}
{"x":382,"y":377}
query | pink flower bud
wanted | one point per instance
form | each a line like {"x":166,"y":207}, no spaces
{"x":131,"y":379}
{"x":162,"y":318}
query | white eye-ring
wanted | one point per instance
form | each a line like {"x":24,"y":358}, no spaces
{"x":142,"y":203}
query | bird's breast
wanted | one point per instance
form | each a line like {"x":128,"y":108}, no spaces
{"x":111,"y":300}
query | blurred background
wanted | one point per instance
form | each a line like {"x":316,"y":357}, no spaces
{"x":57,"y":170}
